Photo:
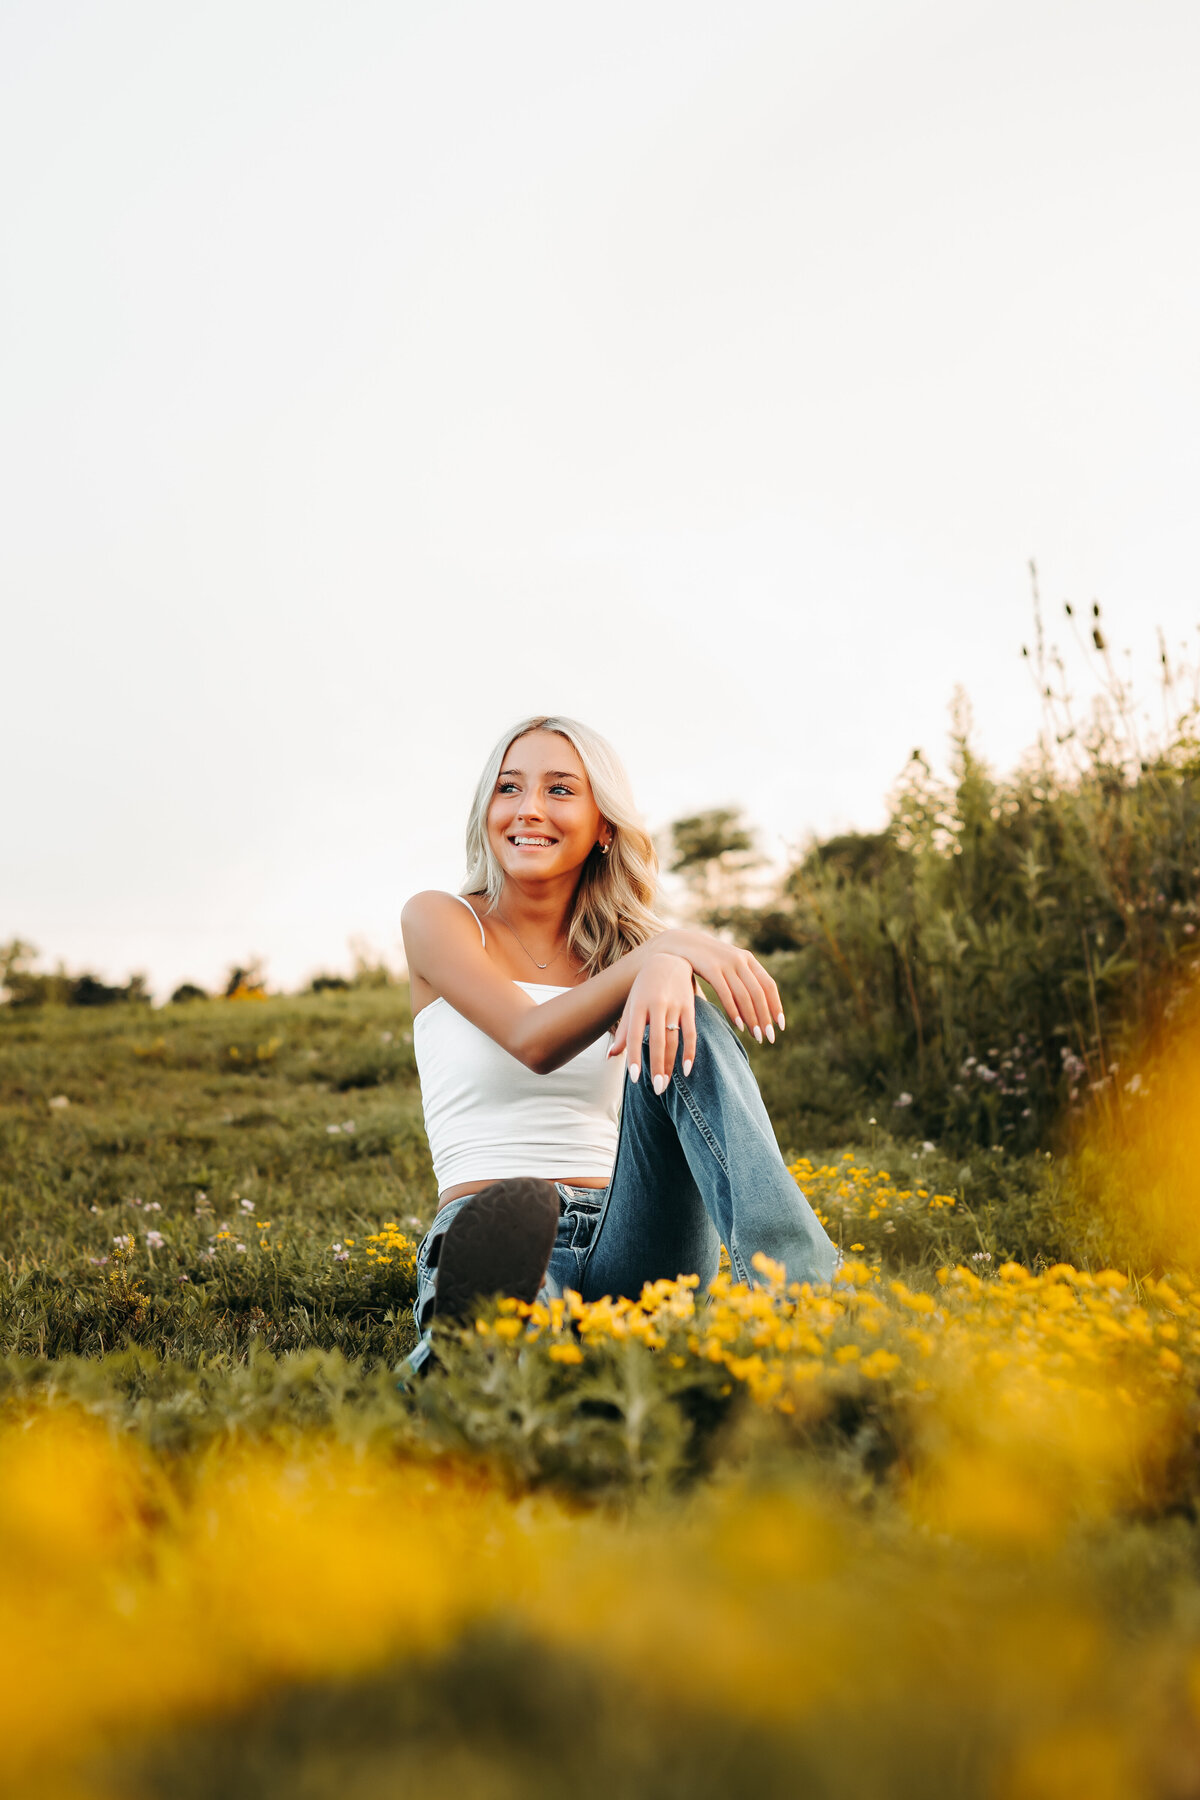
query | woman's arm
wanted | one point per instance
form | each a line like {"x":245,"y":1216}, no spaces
{"x":446,"y":952}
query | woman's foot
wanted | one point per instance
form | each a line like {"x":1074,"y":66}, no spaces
{"x":498,"y":1243}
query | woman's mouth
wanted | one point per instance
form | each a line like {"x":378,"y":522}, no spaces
{"x":523,"y":841}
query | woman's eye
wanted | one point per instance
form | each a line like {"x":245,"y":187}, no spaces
{"x":510,"y":787}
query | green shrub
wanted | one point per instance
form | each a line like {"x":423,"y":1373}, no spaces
{"x":973,"y":972}
{"x":187,"y":990}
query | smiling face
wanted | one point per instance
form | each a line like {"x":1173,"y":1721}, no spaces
{"x":543,"y":821}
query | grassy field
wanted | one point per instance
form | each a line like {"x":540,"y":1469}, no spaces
{"x":931,"y":1531}
{"x":251,"y":1138}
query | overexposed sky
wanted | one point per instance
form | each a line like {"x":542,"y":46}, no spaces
{"x":373,"y":373}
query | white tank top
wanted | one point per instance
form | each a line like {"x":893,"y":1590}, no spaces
{"x":487,"y":1116}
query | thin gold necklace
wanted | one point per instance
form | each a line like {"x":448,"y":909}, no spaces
{"x":529,"y":953}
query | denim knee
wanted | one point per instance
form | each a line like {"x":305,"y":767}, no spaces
{"x":714,"y":1026}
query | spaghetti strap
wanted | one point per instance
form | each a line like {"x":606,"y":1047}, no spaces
{"x":473,"y":913}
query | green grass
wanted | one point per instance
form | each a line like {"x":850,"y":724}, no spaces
{"x":296,"y":1124}
{"x":192,"y":1118}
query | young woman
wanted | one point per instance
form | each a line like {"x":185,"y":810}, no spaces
{"x":593,"y":1120}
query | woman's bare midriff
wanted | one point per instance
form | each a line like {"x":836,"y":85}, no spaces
{"x":474,"y":1187}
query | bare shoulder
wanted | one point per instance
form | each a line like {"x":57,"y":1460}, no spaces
{"x":433,"y":920}
{"x":429,"y":905}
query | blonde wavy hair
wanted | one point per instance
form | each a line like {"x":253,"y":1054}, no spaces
{"x":614,"y":902}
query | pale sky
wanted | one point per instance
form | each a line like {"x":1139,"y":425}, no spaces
{"x":374,"y":373}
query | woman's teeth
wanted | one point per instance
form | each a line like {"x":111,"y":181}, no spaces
{"x":535,"y":842}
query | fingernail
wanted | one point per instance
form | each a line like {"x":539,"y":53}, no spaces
{"x":660,"y":1082}
{"x":739,"y":1025}
{"x":758,"y":1033}
{"x":770,"y":1034}
{"x":687,"y":1067}
{"x":782,"y":1020}
{"x":634,"y":1072}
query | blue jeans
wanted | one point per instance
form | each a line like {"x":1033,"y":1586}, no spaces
{"x":697,"y":1167}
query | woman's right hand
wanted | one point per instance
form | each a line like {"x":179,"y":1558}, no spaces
{"x":663,"y":997}
{"x":744,"y":988}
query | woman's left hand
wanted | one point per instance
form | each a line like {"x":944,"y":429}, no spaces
{"x":663,"y":997}
{"x":744,"y":988}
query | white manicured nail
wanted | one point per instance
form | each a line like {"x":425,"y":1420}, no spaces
{"x":660,"y":1082}
{"x":782,"y":1020}
{"x":770,"y":1034}
{"x":739,"y":1025}
{"x":687,"y":1068}
{"x":634,"y":1071}
{"x":758,"y":1033}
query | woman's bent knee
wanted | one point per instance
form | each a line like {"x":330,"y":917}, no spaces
{"x":714,"y":1031}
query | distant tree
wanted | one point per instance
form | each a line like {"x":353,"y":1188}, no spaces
{"x":89,"y":990}
{"x":23,"y":985}
{"x":371,"y":967}
{"x":16,"y":973}
{"x":248,"y":983}
{"x":187,"y":990}
{"x":714,"y":851}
